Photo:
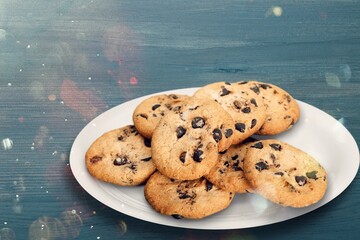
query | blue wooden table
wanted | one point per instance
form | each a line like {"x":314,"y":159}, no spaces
{"x":64,"y":62}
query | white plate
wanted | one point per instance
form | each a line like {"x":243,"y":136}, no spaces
{"x":316,"y":132}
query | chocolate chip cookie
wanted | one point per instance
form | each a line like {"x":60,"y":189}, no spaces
{"x":246,"y":107}
{"x":282,"y":109}
{"x":121,"y":156}
{"x":228,"y":173}
{"x":149,"y":112}
{"x":186,"y":141}
{"x":284,"y":174}
{"x":185,"y":199}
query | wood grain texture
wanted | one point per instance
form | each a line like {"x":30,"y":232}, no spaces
{"x":102,"y":53}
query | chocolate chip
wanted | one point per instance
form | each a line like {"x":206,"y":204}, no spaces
{"x":209,"y":185}
{"x":255,"y":89}
{"x":288,"y":98}
{"x":258,"y":145}
{"x":180,"y":131}
{"x":184,"y":195}
{"x":154,"y":107}
{"x":253,"y":123}
{"x":197,"y":155}
{"x":265,"y":86}
{"x":182,"y":157}
{"x":246,"y":110}
{"x":194,"y":108}
{"x":312,"y":175}
{"x":147,"y":142}
{"x":121,"y":160}
{"x":276,"y":146}
{"x":234,"y":157}
{"x":198,"y":122}
{"x":228,"y":132}
{"x":279,"y":174}
{"x":237,"y":104}
{"x":120,"y":138}
{"x":146,"y":159}
{"x":240,"y":127}
{"x":223,"y":152}
{"x":143,"y":115}
{"x":173,"y":96}
{"x":177,"y":216}
{"x":236,"y":166}
{"x":217,"y":135}
{"x":95,"y":159}
{"x":242,"y":82}
{"x":224,"y":91}
{"x":253,"y":101}
{"x":132,"y":167}
{"x":301,"y":180}
{"x":261,"y":166}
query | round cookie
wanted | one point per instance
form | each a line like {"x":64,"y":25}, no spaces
{"x":149,"y":112}
{"x":121,"y":156}
{"x":186,"y":142}
{"x":246,"y":107}
{"x":228,"y":173}
{"x":185,"y":199}
{"x":282,"y":109}
{"x":284,"y":174}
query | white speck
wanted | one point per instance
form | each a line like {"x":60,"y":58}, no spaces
{"x":94,"y":124}
{"x":89,"y":78}
{"x":332,"y":80}
{"x":277,"y":11}
{"x":20,"y":70}
{"x":72,"y":21}
{"x":5,"y":223}
{"x":43,"y":112}
{"x":7,"y":143}
{"x":62,"y":102}
{"x":9,"y":84}
{"x":98,"y":238}
{"x":65,"y":119}
{"x":94,"y":212}
{"x":73,"y":211}
{"x":47,"y":191}
{"x":91,"y":227}
{"x":17,"y":195}
{"x":98,"y":55}
{"x":54,"y":153}
{"x":28,"y":46}
{"x":43,"y":64}
{"x":32,"y":148}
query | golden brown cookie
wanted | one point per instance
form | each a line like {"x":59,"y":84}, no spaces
{"x":284,"y":174}
{"x":282,"y":109}
{"x":228,"y":173}
{"x":185,"y":143}
{"x":246,"y":107}
{"x":121,"y":156}
{"x":185,"y":199}
{"x":149,"y":112}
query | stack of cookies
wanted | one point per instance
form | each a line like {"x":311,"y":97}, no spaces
{"x":194,"y":153}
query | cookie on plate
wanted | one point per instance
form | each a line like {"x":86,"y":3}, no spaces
{"x":149,"y":112}
{"x":120,"y":156}
{"x":228,"y":173}
{"x":185,"y":199}
{"x":186,"y":141}
{"x":284,"y":174}
{"x":282,"y":109}
{"x":246,"y":107}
